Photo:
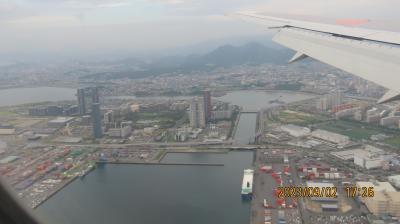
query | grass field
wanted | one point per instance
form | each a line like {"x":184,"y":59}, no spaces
{"x":300,"y":118}
{"x":395,"y":141}
{"x":356,"y":131}
{"x":164,"y":118}
{"x":7,"y":113}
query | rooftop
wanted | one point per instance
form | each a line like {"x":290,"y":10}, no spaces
{"x":378,"y":186}
{"x":61,"y":119}
{"x":8,"y":159}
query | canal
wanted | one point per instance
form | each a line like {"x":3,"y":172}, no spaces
{"x":251,"y":100}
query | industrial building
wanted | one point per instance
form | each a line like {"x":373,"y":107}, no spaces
{"x":7,"y":131}
{"x":390,"y":121}
{"x":295,"y":131}
{"x":60,"y":122}
{"x":8,"y":159}
{"x":368,"y":160}
{"x":331,"y":137}
{"x":384,"y":203}
{"x":378,"y":186}
{"x":321,"y":185}
{"x":368,"y":157}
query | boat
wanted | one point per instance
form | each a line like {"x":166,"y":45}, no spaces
{"x":83,"y":173}
{"x":247,"y":184}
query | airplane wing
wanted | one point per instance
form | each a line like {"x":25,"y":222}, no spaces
{"x":361,"y":47}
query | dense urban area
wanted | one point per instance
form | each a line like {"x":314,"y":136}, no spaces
{"x":336,"y":138}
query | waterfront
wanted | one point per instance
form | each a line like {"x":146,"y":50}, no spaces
{"x":16,"y":96}
{"x":248,"y":99}
{"x":156,"y":194}
{"x":255,"y":100}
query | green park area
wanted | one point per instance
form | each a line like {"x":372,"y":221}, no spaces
{"x":165,"y":119}
{"x":394,"y":141}
{"x":300,"y":118}
{"x":355,"y":130}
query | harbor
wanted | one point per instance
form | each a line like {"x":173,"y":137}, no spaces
{"x":222,"y":197}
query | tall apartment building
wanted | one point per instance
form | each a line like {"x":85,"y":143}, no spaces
{"x":86,"y":97}
{"x":197,"y":113}
{"x":96,"y":121}
{"x":207,"y":105}
{"x":329,"y":101}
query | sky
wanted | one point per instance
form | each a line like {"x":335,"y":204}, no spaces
{"x":102,"y":27}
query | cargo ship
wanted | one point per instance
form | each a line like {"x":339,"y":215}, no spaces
{"x":247,"y":184}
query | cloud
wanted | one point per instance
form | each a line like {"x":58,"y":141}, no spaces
{"x":376,"y":9}
{"x":144,"y":25}
{"x":113,"y":5}
{"x":43,"y":22}
{"x":171,"y":2}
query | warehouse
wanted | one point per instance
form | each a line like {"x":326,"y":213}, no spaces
{"x":60,"y":122}
{"x":295,"y":131}
{"x":384,"y":203}
{"x":331,"y":137}
{"x":9,"y":159}
{"x":321,"y":185}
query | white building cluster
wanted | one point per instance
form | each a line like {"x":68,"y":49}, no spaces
{"x":368,"y":157}
{"x":330,"y":100}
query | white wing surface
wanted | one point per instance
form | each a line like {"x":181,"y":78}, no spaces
{"x":361,"y":47}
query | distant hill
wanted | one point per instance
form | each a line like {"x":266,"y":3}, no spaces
{"x":224,"y":56}
{"x":228,"y":55}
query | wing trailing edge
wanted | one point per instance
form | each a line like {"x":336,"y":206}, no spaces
{"x":373,"y":55}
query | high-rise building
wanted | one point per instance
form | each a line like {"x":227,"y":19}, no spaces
{"x":197,"y":113}
{"x":81,"y":101}
{"x":95,"y":94}
{"x":86,"y":97}
{"x":207,"y":105}
{"x":96,"y":121}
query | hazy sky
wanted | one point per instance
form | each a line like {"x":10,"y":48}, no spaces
{"x":104,"y":26}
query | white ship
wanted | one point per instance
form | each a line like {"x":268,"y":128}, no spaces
{"x":247,"y":184}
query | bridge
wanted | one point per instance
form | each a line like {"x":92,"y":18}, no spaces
{"x":249,"y":111}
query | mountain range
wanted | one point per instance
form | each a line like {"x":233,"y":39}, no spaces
{"x":224,"y":56}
